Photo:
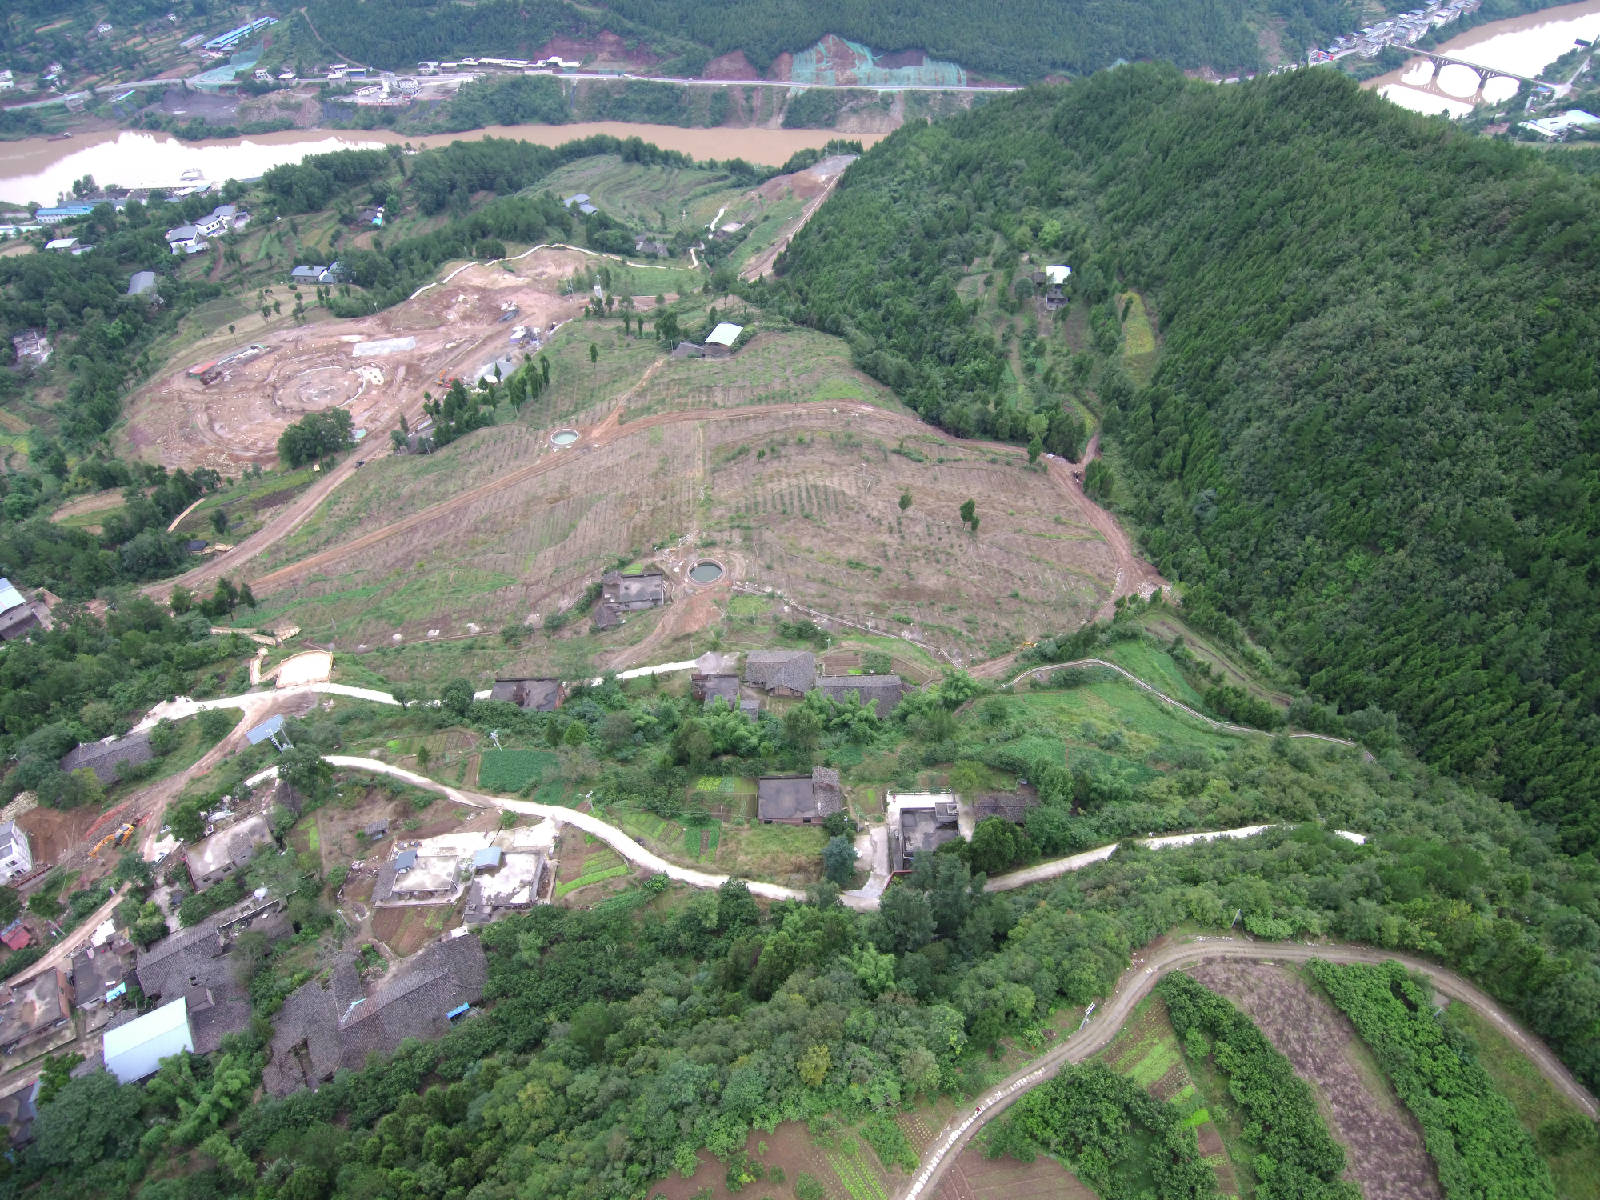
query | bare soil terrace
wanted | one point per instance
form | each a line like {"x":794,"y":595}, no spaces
{"x":803,"y":498}
{"x":376,"y":367}
{"x":1382,"y":1141}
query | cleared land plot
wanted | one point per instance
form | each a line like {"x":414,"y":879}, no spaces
{"x":407,"y":930}
{"x":973,"y":1177}
{"x":780,"y":367}
{"x":800,"y":498}
{"x":453,"y":328}
{"x":1565,"y":1137}
{"x":786,"y":854}
{"x":1381,"y":1139}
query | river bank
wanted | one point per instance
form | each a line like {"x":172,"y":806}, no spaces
{"x":1522,"y":45}
{"x":38,"y":169}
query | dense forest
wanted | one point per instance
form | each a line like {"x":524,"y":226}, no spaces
{"x":1024,"y":41}
{"x":1375,"y":426}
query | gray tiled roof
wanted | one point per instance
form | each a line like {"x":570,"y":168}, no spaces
{"x":794,"y":670}
{"x":883,"y":692}
{"x":103,"y":757}
{"x":540,"y":695}
{"x":322,"y":1028}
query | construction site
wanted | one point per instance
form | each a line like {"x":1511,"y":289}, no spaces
{"x":225,"y":405}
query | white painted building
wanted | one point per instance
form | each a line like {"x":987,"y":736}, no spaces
{"x":15,"y":857}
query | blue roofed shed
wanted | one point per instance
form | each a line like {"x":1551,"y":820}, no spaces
{"x":267,"y":731}
{"x":487,"y":859}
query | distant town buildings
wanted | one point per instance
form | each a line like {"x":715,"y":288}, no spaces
{"x":1562,"y":125}
{"x":62,"y":212}
{"x":1403,"y":30}
{"x":225,"y":42}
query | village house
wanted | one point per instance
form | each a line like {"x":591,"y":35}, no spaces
{"x":621,"y":593}
{"x":799,"y":799}
{"x":33,"y":1009}
{"x":324,"y":1027}
{"x":1055,"y":285}
{"x":781,"y":672}
{"x":17,"y":616}
{"x":720,"y":341}
{"x":225,"y":851}
{"x":920,"y":824}
{"x":197,"y":965}
{"x":100,"y":974}
{"x":142,"y":283}
{"x":16,"y":858}
{"x":60,"y":244}
{"x":185,"y":239}
{"x":706,"y":688}
{"x":412,"y":877}
{"x":537,"y":695}
{"x":645,"y":244}
{"x":111,"y":758}
{"x":224,"y":218}
{"x":883,"y":692}
{"x":505,"y":882}
{"x":1011,"y":806}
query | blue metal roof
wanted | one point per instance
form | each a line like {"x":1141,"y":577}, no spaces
{"x":65,"y":210}
{"x":405,"y":860}
{"x":265,"y":730}
{"x":489,"y":856}
{"x":457,"y":1011}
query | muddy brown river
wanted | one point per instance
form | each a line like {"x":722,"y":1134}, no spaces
{"x":1525,"y":44}
{"x":38,"y":170}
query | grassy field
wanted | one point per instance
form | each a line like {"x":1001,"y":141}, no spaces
{"x":1565,"y":1137}
{"x":1138,"y":338}
{"x":661,"y":199}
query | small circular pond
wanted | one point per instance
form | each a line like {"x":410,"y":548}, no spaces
{"x":563,"y":437}
{"x":706,"y":572}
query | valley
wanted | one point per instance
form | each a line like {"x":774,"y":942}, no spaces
{"x":1032,"y":655}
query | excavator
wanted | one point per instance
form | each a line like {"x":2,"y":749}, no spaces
{"x":115,"y":839}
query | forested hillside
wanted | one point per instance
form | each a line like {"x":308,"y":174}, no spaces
{"x":1015,"y":41}
{"x":1372,"y":435}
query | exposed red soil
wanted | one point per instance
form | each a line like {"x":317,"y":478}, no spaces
{"x":730,"y":66}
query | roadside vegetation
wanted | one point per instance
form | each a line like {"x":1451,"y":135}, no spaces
{"x":1470,"y":1128}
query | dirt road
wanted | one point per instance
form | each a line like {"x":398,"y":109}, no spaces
{"x":761,"y":264}
{"x":1147,"y":970}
